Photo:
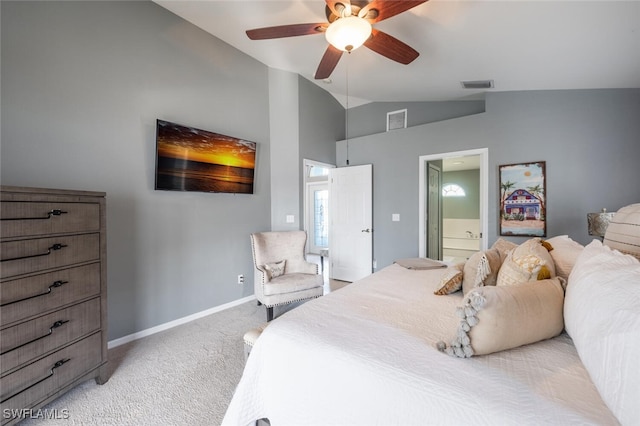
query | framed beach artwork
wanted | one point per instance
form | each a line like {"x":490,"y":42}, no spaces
{"x":523,"y":200}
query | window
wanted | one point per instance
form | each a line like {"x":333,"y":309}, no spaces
{"x":452,"y":190}
{"x":317,"y":171}
{"x":320,"y":218}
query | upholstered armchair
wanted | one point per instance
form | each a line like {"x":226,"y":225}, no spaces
{"x":282,"y":273}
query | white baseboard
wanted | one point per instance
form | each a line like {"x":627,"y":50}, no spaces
{"x":158,"y":328}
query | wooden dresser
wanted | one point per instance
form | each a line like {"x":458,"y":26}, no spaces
{"x":53,"y":296}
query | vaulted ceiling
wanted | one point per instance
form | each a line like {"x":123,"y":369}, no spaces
{"x":520,"y":45}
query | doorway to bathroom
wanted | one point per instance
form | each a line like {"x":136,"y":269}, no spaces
{"x":462,"y":199}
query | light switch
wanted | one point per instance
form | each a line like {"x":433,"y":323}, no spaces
{"x":395,"y":217}
{"x":291,"y":218}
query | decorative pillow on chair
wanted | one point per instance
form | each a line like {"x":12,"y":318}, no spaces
{"x":451,"y":281}
{"x":496,"y":318}
{"x":602,"y":315}
{"x":564,"y":254}
{"x":274,"y":270}
{"x":481,"y":269}
{"x":529,"y":261}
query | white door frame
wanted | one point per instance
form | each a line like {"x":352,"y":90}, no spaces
{"x":484,"y":193}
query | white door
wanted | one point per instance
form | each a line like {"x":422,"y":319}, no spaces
{"x":350,"y":222}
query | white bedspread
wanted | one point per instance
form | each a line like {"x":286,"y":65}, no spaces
{"x":366,"y":355}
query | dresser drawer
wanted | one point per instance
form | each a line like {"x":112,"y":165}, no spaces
{"x":24,"y":256}
{"x":28,"y":386}
{"x":32,"y":339}
{"x":26,"y":297}
{"x":22,"y":219}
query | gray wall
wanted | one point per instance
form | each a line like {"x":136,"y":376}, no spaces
{"x":590,"y":140}
{"x":371,"y":118}
{"x":321,"y":121}
{"x":305,"y":123}
{"x":467,"y":207}
{"x":285,"y":188}
{"x":82,"y":86}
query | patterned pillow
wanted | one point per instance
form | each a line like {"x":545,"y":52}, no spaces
{"x":481,"y":269}
{"x":274,"y":270}
{"x":451,"y":281}
{"x":529,"y":261}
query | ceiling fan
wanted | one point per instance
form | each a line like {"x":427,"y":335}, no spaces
{"x":349,"y":26}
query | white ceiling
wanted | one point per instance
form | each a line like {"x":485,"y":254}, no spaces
{"x":453,"y":164}
{"x":521,"y":45}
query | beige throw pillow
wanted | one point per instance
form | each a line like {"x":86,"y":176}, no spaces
{"x":495,"y":318}
{"x":481,"y":269}
{"x":504,"y":247}
{"x":451,"y":281}
{"x":529,"y":261}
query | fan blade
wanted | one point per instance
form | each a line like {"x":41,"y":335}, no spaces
{"x":391,"y":47}
{"x":384,"y":9}
{"x":337,"y":7}
{"x":328,"y":62}
{"x":286,"y":31}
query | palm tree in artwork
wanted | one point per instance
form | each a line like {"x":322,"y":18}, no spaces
{"x":538,"y":191}
{"x":506,"y":188}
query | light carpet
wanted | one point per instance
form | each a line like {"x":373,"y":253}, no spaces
{"x":182,"y":376}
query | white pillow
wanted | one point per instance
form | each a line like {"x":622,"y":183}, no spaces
{"x":602,"y":316}
{"x":564,"y":254}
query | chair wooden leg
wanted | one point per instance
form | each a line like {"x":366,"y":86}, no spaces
{"x":269,"y":313}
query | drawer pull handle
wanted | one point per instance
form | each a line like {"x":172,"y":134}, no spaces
{"x":56,"y":284}
{"x":51,"y":373}
{"x":48,"y":252}
{"x":54,"y":212}
{"x":53,"y":326}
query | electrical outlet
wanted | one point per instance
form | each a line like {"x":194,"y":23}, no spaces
{"x":240,"y":279}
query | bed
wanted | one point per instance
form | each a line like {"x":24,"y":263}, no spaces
{"x":371,"y":353}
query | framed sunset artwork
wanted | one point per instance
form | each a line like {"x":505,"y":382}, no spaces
{"x":190,"y":159}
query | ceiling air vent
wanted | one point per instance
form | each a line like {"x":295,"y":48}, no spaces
{"x":477,"y":84}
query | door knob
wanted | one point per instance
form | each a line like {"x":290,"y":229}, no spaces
{"x":366,"y":230}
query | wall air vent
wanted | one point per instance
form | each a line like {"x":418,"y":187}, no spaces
{"x":477,"y":84}
{"x":397,"y":119}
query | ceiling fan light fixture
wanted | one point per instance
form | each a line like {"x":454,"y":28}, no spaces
{"x":348,"y":33}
